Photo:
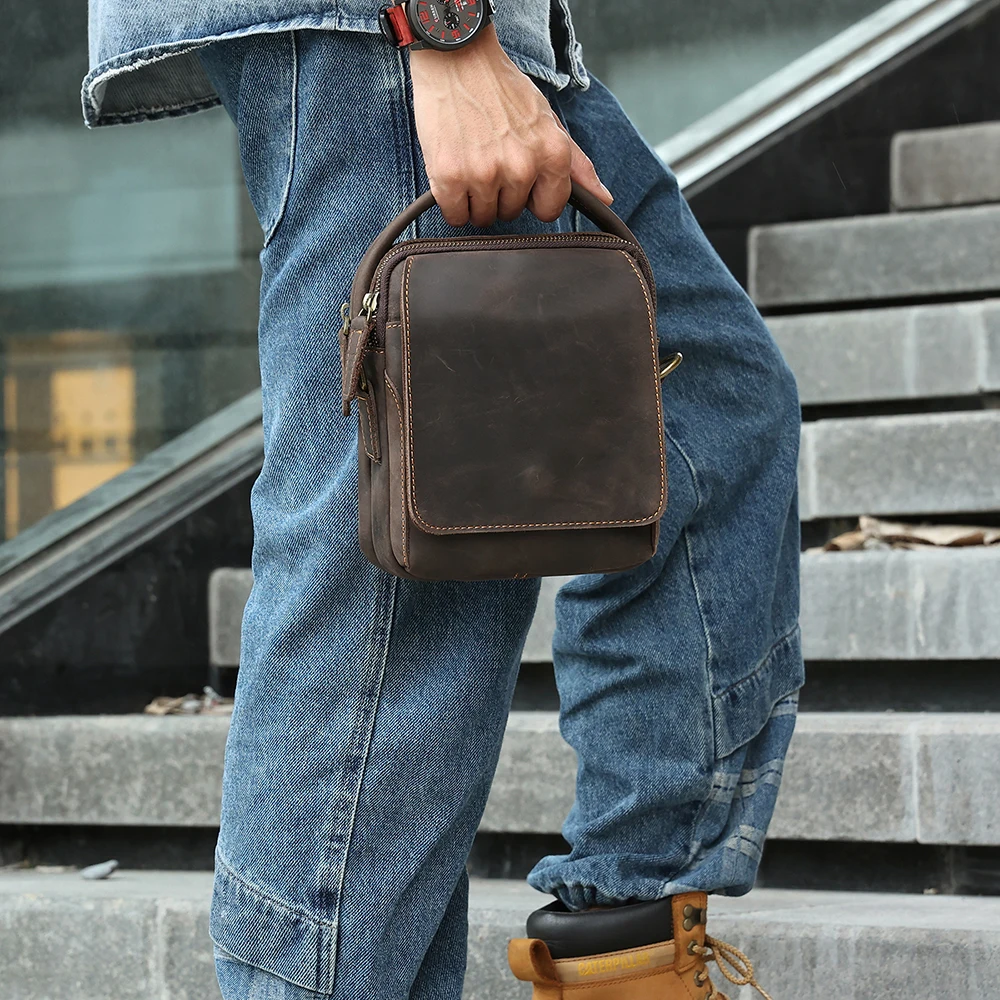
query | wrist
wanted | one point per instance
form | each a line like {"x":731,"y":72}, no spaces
{"x":482,"y":52}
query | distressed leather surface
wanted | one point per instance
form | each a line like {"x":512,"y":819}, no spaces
{"x":517,"y":424}
{"x":530,"y":391}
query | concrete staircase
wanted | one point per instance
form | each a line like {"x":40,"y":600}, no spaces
{"x":891,"y":329}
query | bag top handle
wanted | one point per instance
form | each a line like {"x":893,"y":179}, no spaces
{"x":580,"y":199}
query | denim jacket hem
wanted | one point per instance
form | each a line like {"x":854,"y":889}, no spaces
{"x":171,"y":72}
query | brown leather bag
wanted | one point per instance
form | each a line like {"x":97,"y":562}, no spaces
{"x":508,"y":391}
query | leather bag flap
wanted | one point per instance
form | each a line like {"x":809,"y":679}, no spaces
{"x":530,"y":391}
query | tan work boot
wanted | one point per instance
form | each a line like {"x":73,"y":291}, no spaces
{"x":637,"y":951}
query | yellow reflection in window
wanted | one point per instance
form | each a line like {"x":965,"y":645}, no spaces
{"x":10,"y":480}
{"x":93,"y":420}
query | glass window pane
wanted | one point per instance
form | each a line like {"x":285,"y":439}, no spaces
{"x":673,"y":61}
{"x":128,"y":274}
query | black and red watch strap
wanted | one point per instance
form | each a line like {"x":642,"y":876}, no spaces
{"x":395,"y":23}
{"x":400,"y":23}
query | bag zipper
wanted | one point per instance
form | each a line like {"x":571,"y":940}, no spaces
{"x":370,"y":302}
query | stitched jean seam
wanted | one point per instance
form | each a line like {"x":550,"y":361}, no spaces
{"x":292,"y":139}
{"x":689,"y":554}
{"x":407,"y":141}
{"x":790,"y":633}
{"x":699,"y":814}
{"x":690,"y":560}
{"x":391,"y":584}
{"x":256,"y":890}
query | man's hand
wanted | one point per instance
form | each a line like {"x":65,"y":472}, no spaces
{"x":491,"y":143}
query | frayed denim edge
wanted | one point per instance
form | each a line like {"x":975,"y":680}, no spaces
{"x":95,"y":81}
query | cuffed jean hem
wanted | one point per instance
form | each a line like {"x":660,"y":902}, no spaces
{"x":728,"y":829}
{"x":165,"y":80}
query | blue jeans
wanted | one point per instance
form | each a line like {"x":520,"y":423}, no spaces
{"x":370,"y":710}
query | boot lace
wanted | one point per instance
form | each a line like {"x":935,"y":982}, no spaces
{"x":742,"y":967}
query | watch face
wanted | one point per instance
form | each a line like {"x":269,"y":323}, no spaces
{"x":446,"y":24}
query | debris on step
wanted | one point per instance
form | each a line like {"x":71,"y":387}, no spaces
{"x":873,"y":533}
{"x":102,"y":870}
{"x":209,"y":702}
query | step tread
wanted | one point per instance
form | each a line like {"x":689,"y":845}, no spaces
{"x":932,"y":168}
{"x":927,"y":463}
{"x":896,"y":353}
{"x":894,"y":605}
{"x":855,"y":606}
{"x":902,"y":605}
{"x":30,"y":888}
{"x":940,"y":252}
{"x":142,"y":934}
{"x":886,"y":777}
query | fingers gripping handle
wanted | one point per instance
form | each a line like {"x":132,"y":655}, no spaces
{"x":580,"y":199}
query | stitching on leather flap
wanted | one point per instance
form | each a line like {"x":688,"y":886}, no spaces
{"x":402,"y":470}
{"x":400,"y":253}
{"x":410,"y":470}
{"x":369,"y":433}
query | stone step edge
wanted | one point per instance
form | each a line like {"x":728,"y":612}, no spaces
{"x":142,"y":934}
{"x":939,"y":167}
{"x":864,"y":777}
{"x":913,"y":256}
{"x":942,"y":350}
{"x":871,"y":591}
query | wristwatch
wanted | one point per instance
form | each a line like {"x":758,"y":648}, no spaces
{"x":435,"y":24}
